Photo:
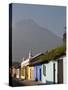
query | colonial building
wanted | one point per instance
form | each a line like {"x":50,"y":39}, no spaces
{"x":54,"y":71}
{"x":27,"y":72}
{"x":13,"y":72}
{"x":18,"y":72}
{"x":50,"y":68}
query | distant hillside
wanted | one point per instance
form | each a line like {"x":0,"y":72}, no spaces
{"x":28,"y":35}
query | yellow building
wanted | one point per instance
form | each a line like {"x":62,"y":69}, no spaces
{"x":27,"y":72}
{"x":23,"y":73}
{"x":32,"y":73}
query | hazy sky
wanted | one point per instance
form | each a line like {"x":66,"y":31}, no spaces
{"x":31,"y":36}
{"x":51,"y":17}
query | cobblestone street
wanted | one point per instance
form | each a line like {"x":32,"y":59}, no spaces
{"x":18,"y":82}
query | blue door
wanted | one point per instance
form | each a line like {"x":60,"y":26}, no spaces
{"x":36,"y":73}
{"x":40,"y":73}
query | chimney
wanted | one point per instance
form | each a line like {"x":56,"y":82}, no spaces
{"x":23,"y":58}
{"x":29,"y":54}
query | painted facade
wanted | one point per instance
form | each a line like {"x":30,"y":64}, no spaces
{"x":49,"y":72}
{"x":27,"y":72}
{"x":31,"y":73}
{"x":38,"y":72}
{"x":22,"y":72}
{"x":54,"y":71}
{"x":17,"y":73}
{"x":13,"y":72}
{"x":25,"y":68}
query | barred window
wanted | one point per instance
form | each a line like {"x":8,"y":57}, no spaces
{"x":44,"y":70}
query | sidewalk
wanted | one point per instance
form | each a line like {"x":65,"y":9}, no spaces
{"x":27,"y":82}
{"x":30,"y":82}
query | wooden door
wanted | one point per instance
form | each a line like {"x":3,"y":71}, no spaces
{"x":60,"y":71}
{"x":54,"y":73}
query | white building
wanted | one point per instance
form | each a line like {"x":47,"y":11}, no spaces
{"x":54,"y":71}
{"x":18,"y":73}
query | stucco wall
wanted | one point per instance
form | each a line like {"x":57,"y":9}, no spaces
{"x":17,"y":73}
{"x":32,"y":73}
{"x":37,"y":73}
{"x":49,"y":72}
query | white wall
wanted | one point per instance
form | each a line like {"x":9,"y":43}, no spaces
{"x":17,"y":73}
{"x":43,"y":77}
{"x":49,"y":72}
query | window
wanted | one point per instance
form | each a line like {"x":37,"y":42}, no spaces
{"x":44,"y":70}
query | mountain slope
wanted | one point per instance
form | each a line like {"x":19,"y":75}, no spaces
{"x":28,"y":35}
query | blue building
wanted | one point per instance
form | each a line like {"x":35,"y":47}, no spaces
{"x":38,"y":72}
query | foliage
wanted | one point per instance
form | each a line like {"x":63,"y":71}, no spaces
{"x":54,"y":53}
{"x":51,"y":55}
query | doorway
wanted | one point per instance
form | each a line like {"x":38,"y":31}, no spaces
{"x":60,"y":71}
{"x":40,"y":74}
